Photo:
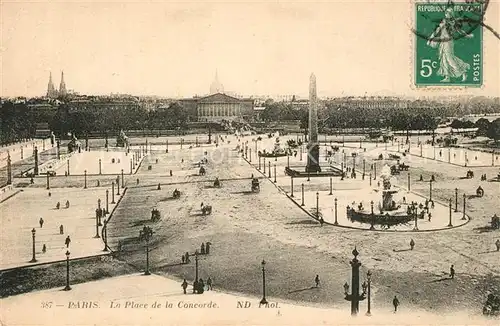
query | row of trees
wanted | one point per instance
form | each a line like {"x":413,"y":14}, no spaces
{"x":18,"y":120}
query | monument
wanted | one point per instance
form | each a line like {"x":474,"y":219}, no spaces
{"x":35,"y":170}
{"x":313,"y":146}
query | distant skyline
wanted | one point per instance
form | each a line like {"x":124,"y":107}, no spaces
{"x":173,"y":49}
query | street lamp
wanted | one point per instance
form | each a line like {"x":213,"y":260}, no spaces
{"x":331,"y":186}
{"x":354,"y":297}
{"x":291,"y":187}
{"x":335,"y":223}
{"x":317,"y":204}
{"x":302,"y":195}
{"x":372,"y":226}
{"x":196,"y":265}
{"x":85,"y":179}
{"x":145,"y":234}
{"x":369,"y":279}
{"x":430,"y":189}
{"x":264,"y":159}
{"x":33,"y":232}
{"x":67,"y":288}
{"x":274,"y":173}
{"x":449,"y":205}
{"x":263,"y":301}
{"x":463,"y":212}
{"x":105,"y":234}
{"x":269,"y":169}
{"x":456,"y":200}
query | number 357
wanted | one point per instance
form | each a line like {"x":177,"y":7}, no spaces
{"x":427,"y":67}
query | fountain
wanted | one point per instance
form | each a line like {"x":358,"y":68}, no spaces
{"x":74,"y":144}
{"x":389,"y":213}
{"x":277,"y":151}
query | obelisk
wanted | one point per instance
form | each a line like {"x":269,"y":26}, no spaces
{"x":313,"y":146}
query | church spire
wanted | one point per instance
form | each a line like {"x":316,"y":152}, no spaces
{"x":51,"y":92}
{"x":62,"y":86}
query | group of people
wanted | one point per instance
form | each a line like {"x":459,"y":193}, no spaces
{"x":204,"y":250}
{"x":58,"y":205}
{"x":67,"y":241}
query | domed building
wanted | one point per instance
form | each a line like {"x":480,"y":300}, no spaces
{"x":217,"y":106}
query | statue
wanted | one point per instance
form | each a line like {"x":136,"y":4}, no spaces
{"x":122,"y":140}
{"x":74,"y":144}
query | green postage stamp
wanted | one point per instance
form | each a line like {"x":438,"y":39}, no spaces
{"x":448,"y":44}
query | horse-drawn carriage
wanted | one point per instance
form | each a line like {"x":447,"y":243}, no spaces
{"x":202,"y":170}
{"x":176,"y":194}
{"x":495,"y":222}
{"x":217,"y":183}
{"x":470,"y":174}
{"x":206,"y":209}
{"x":255,"y":185}
{"x":155,"y":215}
{"x":479,"y":191}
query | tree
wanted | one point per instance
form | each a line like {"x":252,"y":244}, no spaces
{"x":482,"y":126}
{"x":494,"y":131}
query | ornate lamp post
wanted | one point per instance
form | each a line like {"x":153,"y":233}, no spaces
{"x":123,"y":181}
{"x":113,"y":192}
{"x":331,"y":186}
{"x":48,"y":181}
{"x":118,"y":185}
{"x":274,"y":173}
{"x":269,"y":169}
{"x":364,"y":163}
{"x":146,"y":234}
{"x":250,"y":154}
{"x":263,"y":301}
{"x":291,"y":186}
{"x":414,"y":212}
{"x":33,"y":259}
{"x":166,"y":148}
{"x":335,"y":223}
{"x":67,"y":287}
{"x":456,"y":200}
{"x":264,"y":159}
{"x":196,"y":265}
{"x":105,"y":234}
{"x":372,"y":226}
{"x":99,"y":207}
{"x":67,"y":164}
{"x":369,"y":279}
{"x":84,"y":179}
{"x":100,"y":166}
{"x":430,"y":189}
{"x":302,"y":195}
{"x":463,"y":212}
{"x":97,"y":219}
{"x":355,"y":297}
{"x":409,"y":187}
{"x":107,"y":200}
{"x":259,"y":162}
{"x":317,"y":204}
{"x":449,"y":205}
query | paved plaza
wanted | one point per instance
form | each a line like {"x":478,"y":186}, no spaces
{"x":20,"y":151}
{"x":161,"y":299}
{"x":22,"y":212}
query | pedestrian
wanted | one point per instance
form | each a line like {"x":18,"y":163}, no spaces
{"x":201,"y":286}
{"x":50,"y":194}
{"x":412,"y":244}
{"x":137,"y":181}
{"x":44,"y":248}
{"x":187,"y":257}
{"x":404,"y":200}
{"x":183,"y":258}
{"x":321,"y":221}
{"x":32,"y":181}
{"x":58,"y":205}
{"x":395,"y":303}
{"x":98,"y":183}
{"x":207,"y":247}
{"x":316,"y":280}
{"x":41,"y":222}
{"x":67,"y":203}
{"x":61,"y":229}
{"x":202,"y":249}
{"x":195,"y":286}
{"x":159,"y":187}
{"x":170,"y":172}
{"x":452,"y":272}
{"x":67,"y":241}
{"x":184,"y":286}
{"x":497,"y":243}
{"x":209,"y":284}
{"x":429,"y":215}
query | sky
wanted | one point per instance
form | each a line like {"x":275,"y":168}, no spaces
{"x":173,"y":49}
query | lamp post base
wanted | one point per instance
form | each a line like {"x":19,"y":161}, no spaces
{"x":67,"y":288}
{"x":33,"y":260}
{"x":368,"y":313}
{"x":147,"y":273}
{"x":263,"y":301}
